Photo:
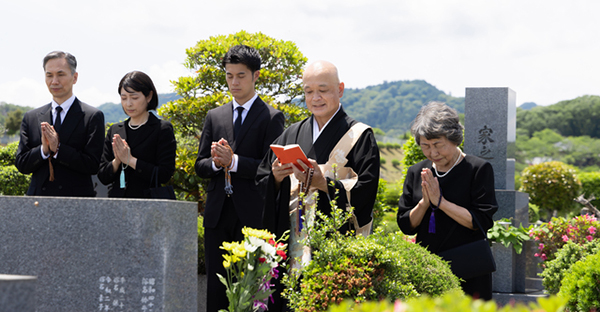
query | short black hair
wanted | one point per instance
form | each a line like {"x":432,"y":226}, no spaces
{"x":140,"y":82}
{"x":243,"y":54}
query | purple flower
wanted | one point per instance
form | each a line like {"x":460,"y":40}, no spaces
{"x":565,"y":238}
{"x":541,"y":246}
{"x":589,"y":238}
{"x":260,"y":304}
{"x":592,"y":230}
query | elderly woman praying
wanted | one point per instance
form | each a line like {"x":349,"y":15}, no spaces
{"x":448,"y":196}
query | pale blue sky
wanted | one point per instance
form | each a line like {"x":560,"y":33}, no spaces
{"x":546,"y":51}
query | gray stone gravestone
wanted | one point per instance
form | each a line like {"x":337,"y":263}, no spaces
{"x":490,"y":133}
{"x":92,"y":254}
{"x":17,"y":293}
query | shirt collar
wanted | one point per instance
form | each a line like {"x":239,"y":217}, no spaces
{"x":65,"y":105}
{"x":316,"y":131}
{"x":246,"y":105}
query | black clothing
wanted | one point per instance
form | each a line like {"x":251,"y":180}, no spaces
{"x":470,"y":185}
{"x":153,"y":144}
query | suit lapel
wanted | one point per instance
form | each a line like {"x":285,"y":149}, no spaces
{"x":228,"y":116}
{"x":73,"y":117}
{"x":46,"y":114}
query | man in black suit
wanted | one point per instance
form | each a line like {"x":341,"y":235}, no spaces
{"x":236,"y":142}
{"x":61,"y":142}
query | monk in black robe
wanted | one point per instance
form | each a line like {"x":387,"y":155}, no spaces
{"x":317,"y":136}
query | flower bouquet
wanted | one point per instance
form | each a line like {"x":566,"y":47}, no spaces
{"x":250,"y":266}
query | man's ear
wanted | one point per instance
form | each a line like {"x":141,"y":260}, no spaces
{"x":341,"y":89}
{"x":255,"y":75}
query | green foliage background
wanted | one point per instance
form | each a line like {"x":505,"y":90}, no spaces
{"x":12,"y":182}
{"x":581,"y":285}
{"x":551,"y":186}
{"x":279,"y":85}
{"x":391,"y":106}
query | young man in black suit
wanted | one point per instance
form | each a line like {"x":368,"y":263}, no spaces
{"x":61,"y":142}
{"x":238,"y":145}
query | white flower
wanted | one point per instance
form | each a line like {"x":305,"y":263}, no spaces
{"x":250,"y":247}
{"x":268,"y":249}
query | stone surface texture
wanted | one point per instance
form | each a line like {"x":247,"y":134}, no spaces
{"x":17,"y":293}
{"x":490,"y":129}
{"x":93,"y":254}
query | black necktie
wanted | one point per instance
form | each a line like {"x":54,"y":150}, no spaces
{"x":238,"y":121}
{"x":57,"y":122}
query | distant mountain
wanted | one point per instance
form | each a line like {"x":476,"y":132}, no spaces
{"x":528,"y":105}
{"x":392,"y":106}
{"x":576,"y":117}
{"x":114,"y":112}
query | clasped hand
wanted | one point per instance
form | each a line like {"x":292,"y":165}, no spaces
{"x":430,"y":188}
{"x":50,"y":139}
{"x":121,"y":150}
{"x":221,"y":153}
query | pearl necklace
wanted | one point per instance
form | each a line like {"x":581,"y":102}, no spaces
{"x":138,"y":126}
{"x":455,"y":163}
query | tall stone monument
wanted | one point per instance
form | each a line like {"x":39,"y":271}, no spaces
{"x":93,"y":254}
{"x":490,"y":133}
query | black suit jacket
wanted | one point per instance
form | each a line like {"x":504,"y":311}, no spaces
{"x":262,"y":126}
{"x":154,"y":146}
{"x":78,"y":158}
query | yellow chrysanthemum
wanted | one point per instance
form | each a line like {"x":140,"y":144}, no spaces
{"x":226,"y":264}
{"x":227,"y":246}
{"x":231,"y":258}
{"x":235,"y":248}
{"x":262,"y":234}
{"x":239,"y":250}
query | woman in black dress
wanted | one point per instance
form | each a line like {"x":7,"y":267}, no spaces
{"x":136,"y":147}
{"x":447,"y":193}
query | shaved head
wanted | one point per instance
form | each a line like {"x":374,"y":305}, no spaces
{"x":322,"y":90}
{"x":322,"y":68}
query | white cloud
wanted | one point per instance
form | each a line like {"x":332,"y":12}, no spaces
{"x":544,"y":50}
{"x":25,"y":92}
{"x":163,"y":74}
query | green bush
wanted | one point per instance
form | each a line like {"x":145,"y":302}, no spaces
{"x":8,"y":154}
{"x":382,"y":145}
{"x":552,"y":186}
{"x":380,"y":205}
{"x":412,"y":154}
{"x":590,"y":185}
{"x":201,"y":261}
{"x":582,"y":285}
{"x":395,"y":163}
{"x":389,"y":224}
{"x":382,"y":160}
{"x":361,"y":269}
{"x":453,"y":301}
{"x":566,"y":256}
{"x":392,"y":195}
{"x":534,"y":213}
{"x":12,"y":182}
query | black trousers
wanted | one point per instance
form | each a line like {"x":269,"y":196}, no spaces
{"x":228,"y":229}
{"x":479,"y":287}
